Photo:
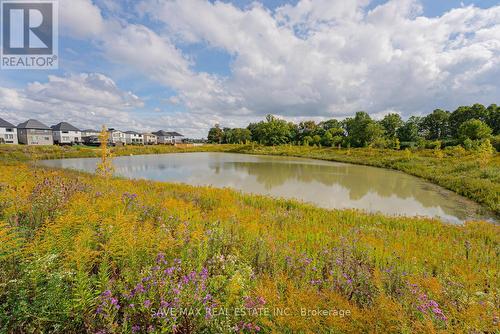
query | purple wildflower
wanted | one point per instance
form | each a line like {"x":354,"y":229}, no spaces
{"x":114,"y":302}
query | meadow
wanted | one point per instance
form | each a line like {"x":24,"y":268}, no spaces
{"x":82,"y":253}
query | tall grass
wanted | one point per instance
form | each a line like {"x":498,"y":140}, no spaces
{"x":81,"y":253}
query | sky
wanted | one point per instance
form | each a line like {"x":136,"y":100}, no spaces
{"x":185,"y":65}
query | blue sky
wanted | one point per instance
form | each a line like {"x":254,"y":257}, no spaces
{"x":431,"y":7}
{"x":187,"y":64}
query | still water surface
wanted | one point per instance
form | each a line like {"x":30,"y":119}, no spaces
{"x":325,"y":184}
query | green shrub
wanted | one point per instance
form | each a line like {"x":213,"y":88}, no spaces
{"x":408,"y":144}
{"x":432,"y":145}
{"x":474,"y":129}
{"x":495,"y":141}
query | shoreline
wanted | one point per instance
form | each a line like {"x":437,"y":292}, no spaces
{"x":459,"y":174}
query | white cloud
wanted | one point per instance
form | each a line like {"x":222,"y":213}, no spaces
{"x":80,"y":18}
{"x":315,"y":59}
{"x":324,"y":58}
{"x":94,"y":88}
{"x":88,"y":100}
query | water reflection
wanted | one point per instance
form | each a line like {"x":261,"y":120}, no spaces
{"x":326,"y":184}
{"x":357,"y":180}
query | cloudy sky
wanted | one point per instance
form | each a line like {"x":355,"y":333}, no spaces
{"x":185,"y":65}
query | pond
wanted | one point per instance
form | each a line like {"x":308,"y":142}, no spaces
{"x":325,"y":184}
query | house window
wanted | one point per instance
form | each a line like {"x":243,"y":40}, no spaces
{"x":9,"y":130}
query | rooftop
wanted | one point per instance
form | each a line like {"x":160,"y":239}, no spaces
{"x":167,"y":134}
{"x":33,"y":124}
{"x":5,"y":124}
{"x":64,"y":126}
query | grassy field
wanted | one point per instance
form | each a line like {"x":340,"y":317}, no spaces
{"x":80,"y":253}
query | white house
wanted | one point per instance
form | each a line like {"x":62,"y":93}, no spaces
{"x":116,"y":137}
{"x":134,"y":138}
{"x":170,"y":138}
{"x":66,"y":134}
{"x":8,"y":133}
{"x":150,"y":139}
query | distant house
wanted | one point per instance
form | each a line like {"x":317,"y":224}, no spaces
{"x":90,"y":133}
{"x":171,"y":138}
{"x":32,"y":132}
{"x":66,"y":134}
{"x":116,"y":137}
{"x":150,"y":139}
{"x":134,"y":138}
{"x":8,"y":133}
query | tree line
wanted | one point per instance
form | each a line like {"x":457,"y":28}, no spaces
{"x":466,"y":125}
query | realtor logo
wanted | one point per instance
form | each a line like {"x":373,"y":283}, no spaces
{"x":29,"y":34}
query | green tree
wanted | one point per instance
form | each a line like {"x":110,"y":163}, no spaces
{"x":272,"y":131}
{"x":227,"y":137}
{"x":374,"y":134}
{"x":253,"y":128}
{"x":237,"y":136}
{"x":474,"y":129}
{"x":244,"y":135}
{"x":465,"y":113}
{"x":391,"y":124}
{"x":362,"y":130}
{"x":316,"y":139}
{"x":294,"y":133}
{"x":436,"y":125}
{"x":494,"y":119}
{"x":215,"y":135}
{"x":333,"y":137}
{"x":330,"y":124}
{"x":308,"y":128}
{"x":410,"y":131}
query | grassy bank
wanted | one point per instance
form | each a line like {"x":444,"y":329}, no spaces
{"x":13,"y":153}
{"x":80,"y":253}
